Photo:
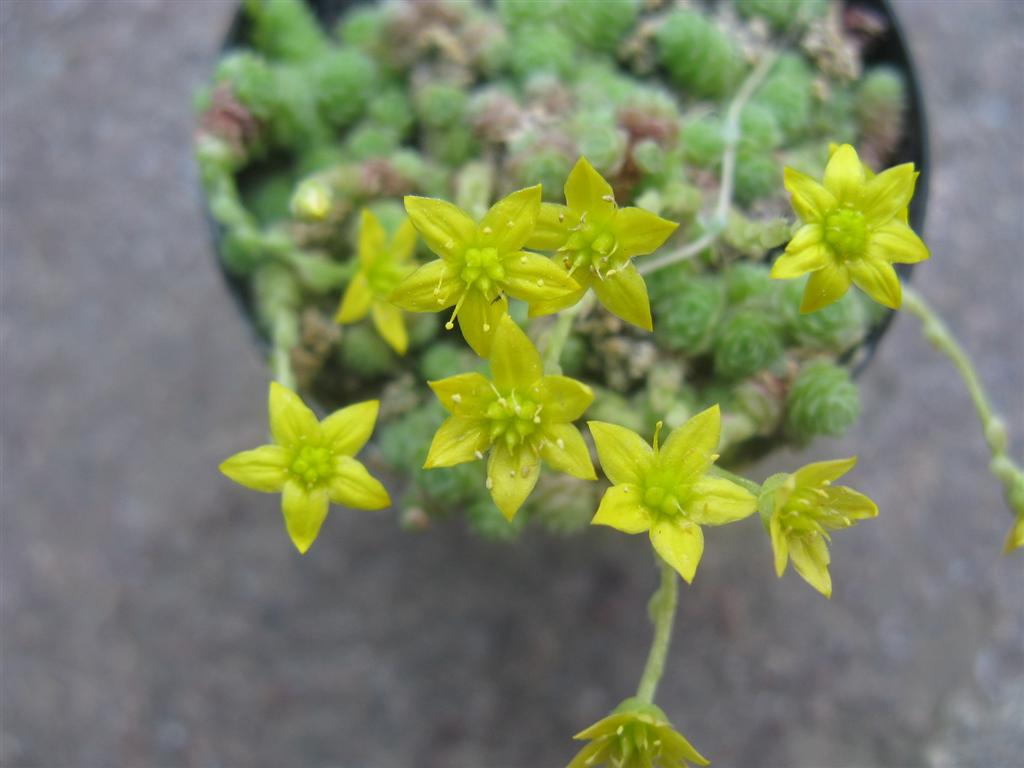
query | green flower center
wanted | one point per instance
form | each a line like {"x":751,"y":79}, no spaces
{"x":312,"y":465}
{"x":513,"y":419}
{"x":482,"y":269}
{"x":846,"y":233}
{"x":383,"y":279}
{"x":590,"y":247}
{"x":661,"y":499}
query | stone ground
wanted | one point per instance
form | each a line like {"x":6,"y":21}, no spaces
{"x":153,"y":614}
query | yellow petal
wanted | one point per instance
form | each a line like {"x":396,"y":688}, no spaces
{"x":780,"y":546}
{"x":566,"y":451}
{"x":511,"y":478}
{"x":387,"y":319}
{"x":844,"y":175}
{"x":623,"y":453}
{"x":534,"y":278}
{"x":621,"y":509}
{"x":605,"y":726}
{"x":811,"y":201}
{"x":346,"y":431}
{"x":823,"y":472}
{"x":290,"y":419}
{"x":352,"y":486}
{"x":594,"y":753}
{"x":464,"y":395}
{"x":515,"y":362}
{"x":810,"y":558}
{"x":718,"y":501}
{"x":897,"y":243}
{"x":586,"y":190}
{"x":304,"y":512}
{"x":624,"y":294}
{"x":680,"y":544}
{"x":458,"y":440}
{"x":887,"y":194}
{"x":790,"y":265}
{"x":479,"y":319}
{"x":1015,"y":536}
{"x":564,"y":301}
{"x":552,"y":228}
{"x":372,"y":238}
{"x":850,"y":503}
{"x":356,"y":301}
{"x":564,"y":399}
{"x":431,"y":288}
{"x":404,"y":243}
{"x":446,"y":229}
{"x":825,"y":286}
{"x":690,"y":449}
{"x":509,"y":222}
{"x":639,"y":232}
{"x":878,"y":280}
{"x":262,"y":469}
{"x":684,"y":751}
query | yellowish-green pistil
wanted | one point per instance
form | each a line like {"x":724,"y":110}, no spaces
{"x":590,"y":247}
{"x":312,"y":465}
{"x":513,"y":419}
{"x":482,"y":269}
{"x":846,"y":232}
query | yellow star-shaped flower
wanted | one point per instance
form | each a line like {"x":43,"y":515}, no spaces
{"x":799,"y":511}
{"x":667,"y":490}
{"x":479,"y":264}
{"x":382,"y":266}
{"x":854,"y":229}
{"x":596,"y":241}
{"x":520,"y":416}
{"x":311,"y":463}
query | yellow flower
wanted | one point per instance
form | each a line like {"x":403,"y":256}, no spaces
{"x":854,"y":229}
{"x":382,"y":266}
{"x":596,"y":242}
{"x":800,"y":509}
{"x":479,"y":264}
{"x":635,"y":735}
{"x":667,"y":489}
{"x":311,"y":463}
{"x":521,"y":417}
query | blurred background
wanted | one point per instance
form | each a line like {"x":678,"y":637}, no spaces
{"x":154,"y":614}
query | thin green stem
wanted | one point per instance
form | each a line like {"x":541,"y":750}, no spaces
{"x":732,"y":133}
{"x":750,"y":485}
{"x":663,"y":614}
{"x":560,"y":333}
{"x":1002,"y":466}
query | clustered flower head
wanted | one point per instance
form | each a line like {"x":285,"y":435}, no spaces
{"x":636,"y":734}
{"x":854,"y":229}
{"x":595,"y":242}
{"x":800,"y":509}
{"x":311,"y":463}
{"x":519,"y":416}
{"x":667,"y":490}
{"x":383,"y":264}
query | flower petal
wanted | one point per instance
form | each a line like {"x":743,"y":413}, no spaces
{"x":262,"y":469}
{"x":479,"y":319}
{"x":290,"y":419}
{"x":606,"y":726}
{"x":680,"y":544}
{"x":465,"y":394}
{"x":511,"y":220}
{"x":586,"y":190}
{"x":780,"y":546}
{"x":844,"y":175}
{"x":823,"y":472}
{"x":372,"y":238}
{"x":623,"y":453}
{"x":825,"y":286}
{"x":304,"y":512}
{"x":353,"y":486}
{"x":446,"y":229}
{"x":719,"y":501}
{"x":552,"y":228}
{"x":795,"y":264}
{"x":811,"y":201}
{"x":639,"y":232}
{"x":897,"y":243}
{"x":534,"y":278}
{"x":431,"y":288}
{"x":347,"y":430}
{"x":621,"y":509}
{"x":683,"y":750}
{"x":458,"y":440}
{"x":511,"y":477}
{"x":387,"y":319}
{"x":593,"y":753}
{"x":566,"y":451}
{"x":850,"y":503}
{"x":404,"y":242}
{"x":564,"y":301}
{"x":356,"y":301}
{"x":690,"y":449}
{"x":625,"y":294}
{"x":810,"y":558}
{"x":887,"y":194}
{"x":564,"y":399}
{"x":515,"y":362}
{"x":878,"y":280}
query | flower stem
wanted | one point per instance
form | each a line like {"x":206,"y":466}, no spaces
{"x":663,"y":613}
{"x":732,"y":133}
{"x":560,"y":333}
{"x":750,"y":485}
{"x":1002,"y":466}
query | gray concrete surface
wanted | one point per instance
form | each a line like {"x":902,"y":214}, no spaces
{"x":154,"y":615}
